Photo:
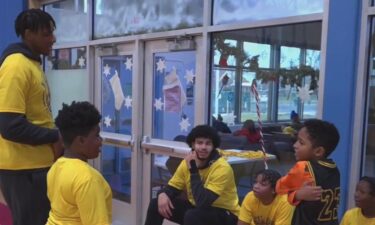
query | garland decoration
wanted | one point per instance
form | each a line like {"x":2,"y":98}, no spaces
{"x":293,"y":76}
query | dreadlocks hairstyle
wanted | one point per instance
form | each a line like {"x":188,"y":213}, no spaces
{"x":371,"y":182}
{"x":322,"y":134}
{"x":203,"y":131}
{"x":34,"y":20}
{"x":269,"y":175}
{"x":77,"y":119}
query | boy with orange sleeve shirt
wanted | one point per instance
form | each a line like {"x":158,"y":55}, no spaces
{"x":313,"y":184}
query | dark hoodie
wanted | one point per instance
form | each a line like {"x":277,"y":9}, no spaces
{"x":15,"y":126}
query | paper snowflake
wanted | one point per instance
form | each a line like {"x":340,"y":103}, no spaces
{"x":107,"y":121}
{"x":158,"y":104}
{"x":229,"y":118}
{"x":184,"y":124}
{"x":106,"y":70}
{"x":304,"y":93}
{"x":81,"y":61}
{"x":129,"y":63}
{"x":189,"y":76}
{"x":160,"y":65}
{"x":128,"y":102}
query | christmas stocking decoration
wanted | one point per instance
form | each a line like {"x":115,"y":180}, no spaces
{"x":117,"y":90}
{"x":174,"y":95}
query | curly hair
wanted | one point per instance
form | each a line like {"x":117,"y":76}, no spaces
{"x":271,"y":176}
{"x":203,"y":131}
{"x":77,"y":119}
{"x":322,"y":134}
{"x":34,"y":20}
{"x":371,"y":182}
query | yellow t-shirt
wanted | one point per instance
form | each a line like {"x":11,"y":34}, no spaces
{"x":218,"y":178}
{"x":253,"y":212}
{"x":78,"y":193}
{"x":23,"y":89}
{"x":355,"y":217}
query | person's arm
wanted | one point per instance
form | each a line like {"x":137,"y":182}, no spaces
{"x":170,"y":191}
{"x":203,"y":197}
{"x":293,"y":181}
{"x":15,"y":127}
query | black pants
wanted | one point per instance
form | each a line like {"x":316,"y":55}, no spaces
{"x":25,"y":192}
{"x":186,"y":214}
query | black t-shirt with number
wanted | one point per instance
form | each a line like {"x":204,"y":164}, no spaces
{"x":323,"y":211}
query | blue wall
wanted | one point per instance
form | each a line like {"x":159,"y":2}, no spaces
{"x":8,"y":12}
{"x":340,"y":80}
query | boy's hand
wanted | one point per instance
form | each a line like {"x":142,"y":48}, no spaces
{"x":165,"y":205}
{"x":308,"y":192}
{"x":191,"y":156}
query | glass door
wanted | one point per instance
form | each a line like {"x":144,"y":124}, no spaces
{"x":174,"y":85}
{"x":115,"y":98}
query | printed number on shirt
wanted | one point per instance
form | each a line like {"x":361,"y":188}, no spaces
{"x":330,"y":199}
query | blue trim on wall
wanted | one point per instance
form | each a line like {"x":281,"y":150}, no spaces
{"x":340,"y":81}
{"x":9,"y":11}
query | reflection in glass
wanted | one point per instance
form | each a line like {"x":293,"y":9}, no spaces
{"x":283,"y":60}
{"x":117,"y":94}
{"x":67,"y":77}
{"x":162,"y":169}
{"x":71,"y":20}
{"x":116,"y":169}
{"x":126,"y":17}
{"x":231,"y":11}
{"x":173,"y":99}
{"x":369,"y":156}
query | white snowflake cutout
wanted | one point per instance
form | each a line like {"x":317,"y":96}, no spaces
{"x":184,"y":124}
{"x":81,"y":61}
{"x":129,"y":63}
{"x":128,"y":102}
{"x":304,"y":93}
{"x":160,"y":65}
{"x":189,"y":76}
{"x":107,"y":121}
{"x":106,"y":70}
{"x":229,"y":118}
{"x":158,"y":104}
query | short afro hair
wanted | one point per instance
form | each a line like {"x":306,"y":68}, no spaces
{"x":77,"y":119}
{"x":371,"y":182}
{"x":322,"y":134}
{"x":203,"y":131}
{"x":271,"y":176}
{"x":34,"y":20}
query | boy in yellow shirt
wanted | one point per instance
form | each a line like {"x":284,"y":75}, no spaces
{"x":263,"y":205}
{"x":78,"y":193}
{"x":364,"y":197}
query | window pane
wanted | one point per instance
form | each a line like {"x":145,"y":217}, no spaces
{"x":117,"y":94}
{"x":290,"y":57}
{"x":369,"y":162}
{"x":231,"y":11}
{"x":67,"y":77}
{"x":71,"y":20}
{"x":125,"y":17}
{"x":116,"y":169}
{"x":283,"y":60}
{"x":174,"y":83}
